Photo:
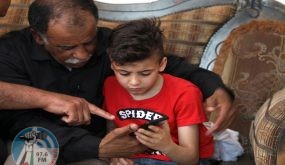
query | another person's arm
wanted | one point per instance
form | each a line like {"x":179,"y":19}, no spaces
{"x":74,"y":110}
{"x":217,"y":97}
{"x":118,"y":143}
{"x":207,"y":81}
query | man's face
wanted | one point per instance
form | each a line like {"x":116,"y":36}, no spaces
{"x":70,"y":45}
{"x":139,"y":78}
{"x":4,"y":5}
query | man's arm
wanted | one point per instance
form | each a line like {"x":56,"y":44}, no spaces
{"x":206,"y":80}
{"x":74,"y":110}
{"x":217,"y":96}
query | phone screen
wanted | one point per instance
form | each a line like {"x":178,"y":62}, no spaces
{"x":152,"y":122}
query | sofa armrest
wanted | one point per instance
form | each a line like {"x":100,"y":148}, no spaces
{"x":267,"y":130}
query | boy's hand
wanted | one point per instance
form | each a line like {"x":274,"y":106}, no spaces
{"x":156,"y":138}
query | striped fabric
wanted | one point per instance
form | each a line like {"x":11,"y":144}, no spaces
{"x":188,"y":32}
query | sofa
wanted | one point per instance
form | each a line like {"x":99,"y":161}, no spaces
{"x":222,"y":36}
{"x":250,"y":61}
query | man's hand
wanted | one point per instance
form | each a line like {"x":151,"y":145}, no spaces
{"x":74,"y":110}
{"x":118,"y":143}
{"x":221,"y":103}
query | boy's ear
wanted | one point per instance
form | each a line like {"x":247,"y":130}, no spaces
{"x":162,"y":64}
{"x":112,"y":66}
{"x":37,"y":37}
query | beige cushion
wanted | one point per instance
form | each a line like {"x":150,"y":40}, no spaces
{"x":266,"y":130}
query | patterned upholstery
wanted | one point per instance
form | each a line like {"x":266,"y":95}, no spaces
{"x":281,"y":144}
{"x":187,"y":32}
{"x":251,"y":61}
{"x":267,"y":131}
{"x":16,"y":17}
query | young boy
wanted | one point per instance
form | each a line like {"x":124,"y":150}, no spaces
{"x":139,"y":92}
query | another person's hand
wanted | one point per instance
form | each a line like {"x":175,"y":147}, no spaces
{"x":74,"y":110}
{"x":118,"y":143}
{"x":222,"y":103}
{"x":121,"y":161}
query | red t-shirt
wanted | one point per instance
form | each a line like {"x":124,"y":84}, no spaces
{"x":178,"y":99}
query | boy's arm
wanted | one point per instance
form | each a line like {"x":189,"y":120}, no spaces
{"x":187,"y":152}
{"x":159,"y":138}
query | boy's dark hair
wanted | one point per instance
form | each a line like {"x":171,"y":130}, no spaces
{"x":136,"y":40}
{"x":41,"y":12}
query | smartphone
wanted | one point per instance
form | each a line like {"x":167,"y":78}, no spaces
{"x":152,"y":122}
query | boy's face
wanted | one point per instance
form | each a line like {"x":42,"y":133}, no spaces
{"x":139,"y":78}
